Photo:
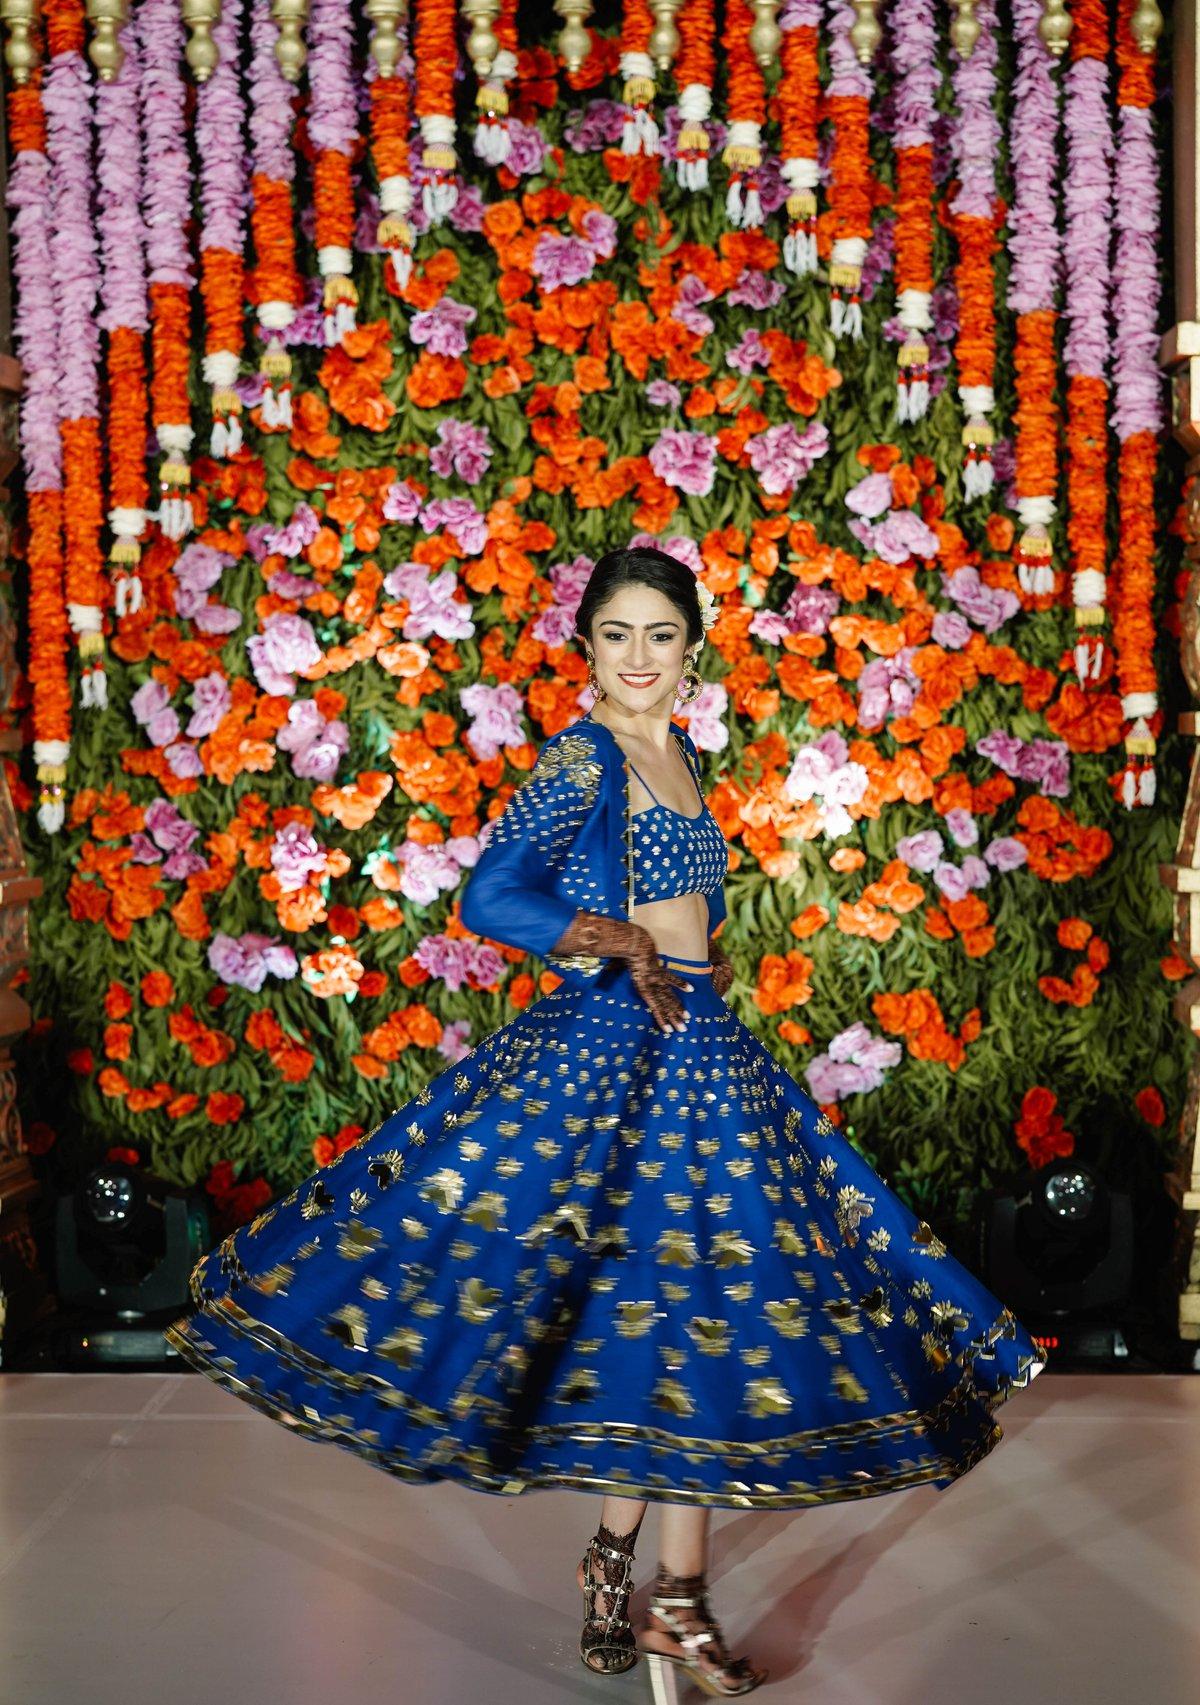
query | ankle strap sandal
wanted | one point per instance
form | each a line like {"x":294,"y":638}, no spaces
{"x":702,"y":1651}
{"x":607,"y":1645}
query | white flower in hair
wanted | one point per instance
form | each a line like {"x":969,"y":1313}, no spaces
{"x":708,"y":605}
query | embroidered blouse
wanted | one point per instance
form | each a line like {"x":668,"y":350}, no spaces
{"x":566,"y":842}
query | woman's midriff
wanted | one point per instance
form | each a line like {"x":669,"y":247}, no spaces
{"x":679,"y":926}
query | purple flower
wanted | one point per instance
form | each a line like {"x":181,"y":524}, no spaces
{"x":752,"y":289}
{"x":810,"y":609}
{"x":950,"y":880}
{"x":686,"y":460}
{"x":749,"y":352}
{"x":292,"y":538}
{"x":561,"y":260}
{"x":781,"y":456}
{"x":286,"y":646}
{"x":871,"y":496}
{"x":462,"y":518}
{"x":975,"y":872}
{"x":248,"y":960}
{"x":317,"y":746}
{"x":443,"y":328}
{"x":987,"y":606}
{"x":1005,"y":852}
{"x":296,"y":854}
{"x":921,"y":851}
{"x":903,"y":534}
{"x":463,"y":448}
{"x":210,"y":701}
{"x":432,"y":604}
{"x":183,"y":760}
{"x":170,"y":829}
{"x":951,"y":630}
{"x":663,"y":394}
{"x":402,"y":502}
{"x":964,"y":830}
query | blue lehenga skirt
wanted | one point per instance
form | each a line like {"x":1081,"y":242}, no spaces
{"x":596,"y":1256}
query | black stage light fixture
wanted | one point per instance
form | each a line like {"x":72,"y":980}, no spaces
{"x":1057,"y":1244}
{"x":125,"y":1244}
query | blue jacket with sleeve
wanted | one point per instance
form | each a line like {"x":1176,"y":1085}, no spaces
{"x":564,"y":843}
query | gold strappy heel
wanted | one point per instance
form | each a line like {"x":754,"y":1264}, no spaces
{"x":607,"y":1645}
{"x":732,"y":1676}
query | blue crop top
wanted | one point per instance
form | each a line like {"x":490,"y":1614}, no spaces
{"x":674,"y":854}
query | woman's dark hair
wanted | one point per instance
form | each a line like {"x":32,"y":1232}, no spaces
{"x":641,"y":565}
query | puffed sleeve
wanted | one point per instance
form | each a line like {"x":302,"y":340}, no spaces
{"x":508,"y":894}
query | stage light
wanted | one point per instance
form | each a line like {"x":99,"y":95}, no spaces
{"x":1057,"y":1245}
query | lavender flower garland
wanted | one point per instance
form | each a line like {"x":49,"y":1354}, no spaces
{"x":220,"y":115}
{"x":168,"y":191}
{"x":846,"y":77}
{"x":36,"y":322}
{"x":1034,"y":244}
{"x":1088,"y":207}
{"x":914,"y":60}
{"x":270,"y":122}
{"x":975,"y":141}
{"x":75,"y":285}
{"x":333,"y":126}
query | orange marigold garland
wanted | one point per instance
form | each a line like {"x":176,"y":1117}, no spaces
{"x":274,"y":284}
{"x":1138,"y":411}
{"x":798,"y":101}
{"x":389,"y":152}
{"x":75,"y":284}
{"x":1035,"y":246}
{"x":974,"y":216}
{"x":28,"y":193}
{"x":746,"y":96}
{"x":220,"y":119}
{"x":125,"y":318}
{"x":492,"y":140}
{"x":333,"y":130}
{"x":914,"y":56}
{"x":848,"y":104}
{"x":694,"y":69}
{"x":168,"y":186}
{"x":640,"y":132}
{"x":1088,"y":202}
{"x":436,"y":60}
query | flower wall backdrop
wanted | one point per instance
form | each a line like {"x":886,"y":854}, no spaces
{"x":352,"y":378}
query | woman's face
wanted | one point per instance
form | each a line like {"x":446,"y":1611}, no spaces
{"x":638,"y":642}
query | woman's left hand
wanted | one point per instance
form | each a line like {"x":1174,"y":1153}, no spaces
{"x":722,"y":973}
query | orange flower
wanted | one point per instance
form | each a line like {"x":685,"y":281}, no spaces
{"x":157,"y":988}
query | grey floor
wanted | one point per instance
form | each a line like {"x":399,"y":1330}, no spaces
{"x":161,"y":1541}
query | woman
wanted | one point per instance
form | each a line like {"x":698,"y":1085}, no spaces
{"x":616,"y":1247}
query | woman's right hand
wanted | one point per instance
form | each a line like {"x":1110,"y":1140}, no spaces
{"x":617,"y":938}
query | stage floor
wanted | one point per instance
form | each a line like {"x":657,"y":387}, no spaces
{"x":161,"y":1540}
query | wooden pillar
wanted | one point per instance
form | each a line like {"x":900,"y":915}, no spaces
{"x":1180,"y":355}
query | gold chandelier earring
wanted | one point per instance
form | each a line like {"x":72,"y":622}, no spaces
{"x":598,"y":691}
{"x":692,"y":676}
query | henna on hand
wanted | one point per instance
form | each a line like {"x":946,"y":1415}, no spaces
{"x":617,"y":938}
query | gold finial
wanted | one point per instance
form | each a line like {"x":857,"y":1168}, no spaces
{"x":291,"y":17}
{"x":20,"y":52}
{"x":201,"y":51}
{"x":865,"y":33}
{"x":764,"y":37}
{"x":1145,"y":26}
{"x":482,"y":43}
{"x":1054,"y":27}
{"x":964,"y":31}
{"x":664,"y":37}
{"x":385,"y":16}
{"x":574,"y":42}
{"x":108,"y":19}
